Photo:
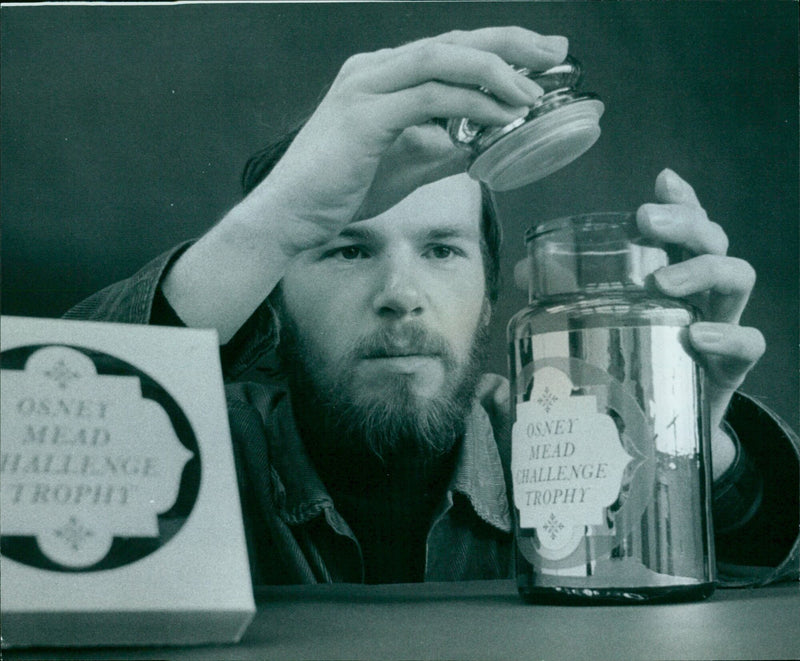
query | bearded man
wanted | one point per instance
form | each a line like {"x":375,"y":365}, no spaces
{"x":365,"y":257}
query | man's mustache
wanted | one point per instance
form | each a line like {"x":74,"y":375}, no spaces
{"x":411,"y":339}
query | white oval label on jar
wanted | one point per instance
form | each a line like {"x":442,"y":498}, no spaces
{"x":567,"y":461}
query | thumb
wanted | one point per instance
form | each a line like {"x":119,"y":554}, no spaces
{"x":494,"y":394}
{"x":420,"y":155}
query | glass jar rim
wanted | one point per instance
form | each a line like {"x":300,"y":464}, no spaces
{"x":588,"y":220}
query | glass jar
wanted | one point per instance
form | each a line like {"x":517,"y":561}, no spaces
{"x":610,"y":446}
{"x":559,"y":127}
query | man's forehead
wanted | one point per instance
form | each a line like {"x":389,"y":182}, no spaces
{"x":450,"y":205}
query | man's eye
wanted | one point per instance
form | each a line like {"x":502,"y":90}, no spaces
{"x":351,"y":253}
{"x":441,"y":252}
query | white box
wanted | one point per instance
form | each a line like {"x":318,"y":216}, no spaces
{"x":120,"y":519}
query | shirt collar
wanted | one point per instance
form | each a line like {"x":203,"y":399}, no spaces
{"x":300,"y":494}
{"x":479,"y":472}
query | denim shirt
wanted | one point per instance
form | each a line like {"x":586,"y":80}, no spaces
{"x":296,"y":535}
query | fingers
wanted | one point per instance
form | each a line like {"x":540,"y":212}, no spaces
{"x":721,"y":284}
{"x":514,"y":45}
{"x":727,"y":352}
{"x":679,"y":219}
{"x":494,"y":394}
{"x":682,"y":225}
{"x":670,"y":188}
{"x":456,"y":65}
{"x":458,"y":74}
{"x":424,"y":102}
{"x":727,"y":282}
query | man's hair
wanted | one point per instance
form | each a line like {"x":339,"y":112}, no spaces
{"x":260,"y":165}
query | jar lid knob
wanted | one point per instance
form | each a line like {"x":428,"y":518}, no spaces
{"x":568,"y":74}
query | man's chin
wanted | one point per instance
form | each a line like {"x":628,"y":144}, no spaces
{"x":395,"y":399}
{"x":396,"y":418}
{"x":419,"y":377}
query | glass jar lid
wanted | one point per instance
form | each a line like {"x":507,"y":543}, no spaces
{"x":562,"y":125}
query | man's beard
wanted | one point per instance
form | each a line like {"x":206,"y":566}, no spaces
{"x":391,"y":424}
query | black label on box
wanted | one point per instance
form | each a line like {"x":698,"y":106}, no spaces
{"x":99,"y":467}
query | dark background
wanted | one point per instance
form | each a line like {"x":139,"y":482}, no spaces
{"x":124,"y":130}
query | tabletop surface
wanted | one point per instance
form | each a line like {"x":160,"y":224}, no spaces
{"x":488,"y":620}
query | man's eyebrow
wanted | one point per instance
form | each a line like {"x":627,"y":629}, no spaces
{"x":367,"y":234}
{"x":358,"y":233}
{"x":445,"y":232}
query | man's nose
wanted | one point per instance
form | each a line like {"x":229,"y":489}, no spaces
{"x":399,"y":293}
